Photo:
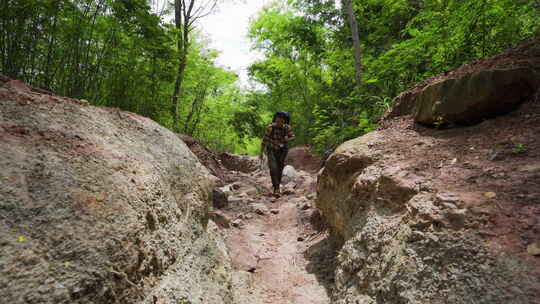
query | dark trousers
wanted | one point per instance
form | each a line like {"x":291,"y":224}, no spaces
{"x":276,"y":163}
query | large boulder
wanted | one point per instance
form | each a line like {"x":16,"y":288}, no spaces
{"x":102,"y":206}
{"x":474,"y":92}
{"x":416,"y":219}
{"x":476,"y":96}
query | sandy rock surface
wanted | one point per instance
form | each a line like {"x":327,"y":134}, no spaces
{"x":99,"y":205}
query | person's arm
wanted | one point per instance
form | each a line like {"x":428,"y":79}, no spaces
{"x":290,"y":134}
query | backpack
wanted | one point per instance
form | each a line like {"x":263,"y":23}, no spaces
{"x":285,"y":115}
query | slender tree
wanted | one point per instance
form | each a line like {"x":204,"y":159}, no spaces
{"x":356,"y":41}
{"x":186,"y":13}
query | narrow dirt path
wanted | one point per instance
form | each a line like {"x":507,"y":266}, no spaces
{"x":277,"y":241}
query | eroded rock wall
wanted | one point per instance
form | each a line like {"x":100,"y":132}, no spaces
{"x":429,"y":216}
{"x":99,"y":205}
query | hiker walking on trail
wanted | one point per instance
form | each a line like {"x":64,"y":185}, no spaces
{"x":275,"y":144}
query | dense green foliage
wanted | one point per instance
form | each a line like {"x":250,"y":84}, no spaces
{"x":119,"y":54}
{"x":110,"y":52}
{"x":309,"y":67}
{"x":123,"y":54}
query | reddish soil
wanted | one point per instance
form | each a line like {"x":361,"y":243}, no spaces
{"x":286,"y":249}
{"x":500,"y":155}
{"x":19,"y":92}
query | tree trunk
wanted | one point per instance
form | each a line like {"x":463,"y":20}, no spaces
{"x":179,"y":75}
{"x":356,"y":41}
{"x":185,"y":16}
{"x":183,"y":46}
